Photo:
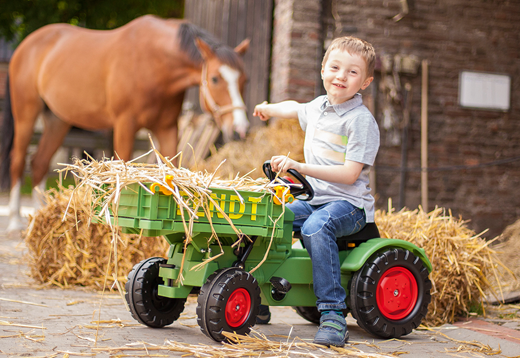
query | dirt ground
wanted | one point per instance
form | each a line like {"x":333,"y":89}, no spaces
{"x":37,"y":322}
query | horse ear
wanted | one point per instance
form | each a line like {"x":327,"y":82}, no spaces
{"x":204,"y":49}
{"x":242,"y":47}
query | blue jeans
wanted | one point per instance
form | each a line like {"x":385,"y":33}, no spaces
{"x":319,"y":226}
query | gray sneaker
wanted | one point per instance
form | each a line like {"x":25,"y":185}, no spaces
{"x":333,"y":330}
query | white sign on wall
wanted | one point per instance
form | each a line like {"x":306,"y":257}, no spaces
{"x":484,"y":90}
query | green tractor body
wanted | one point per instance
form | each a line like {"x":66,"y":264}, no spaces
{"x":281,"y":273}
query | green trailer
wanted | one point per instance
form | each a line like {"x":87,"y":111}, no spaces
{"x":240,"y":254}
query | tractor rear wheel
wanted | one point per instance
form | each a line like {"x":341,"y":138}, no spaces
{"x":228,"y":302}
{"x":389,"y":295}
{"x":146,"y":306}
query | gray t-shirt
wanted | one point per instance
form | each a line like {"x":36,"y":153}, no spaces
{"x":333,"y":134}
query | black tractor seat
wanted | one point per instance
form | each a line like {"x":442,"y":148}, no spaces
{"x":370,"y":231}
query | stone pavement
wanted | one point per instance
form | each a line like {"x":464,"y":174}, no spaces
{"x":37,"y":322}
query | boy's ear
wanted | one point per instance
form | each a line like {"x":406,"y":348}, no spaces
{"x":367,"y":82}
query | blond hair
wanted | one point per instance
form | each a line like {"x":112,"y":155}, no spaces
{"x":356,"y":46}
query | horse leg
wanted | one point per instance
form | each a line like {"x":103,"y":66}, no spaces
{"x":26,"y":109}
{"x":124,"y":133}
{"x":53,"y":134}
{"x":15,"y":218}
{"x":166,"y":128}
{"x":168,"y":138}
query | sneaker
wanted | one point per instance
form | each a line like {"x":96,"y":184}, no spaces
{"x":264,"y":315}
{"x":333,"y":330}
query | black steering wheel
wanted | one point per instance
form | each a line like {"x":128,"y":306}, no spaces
{"x":297,"y":192}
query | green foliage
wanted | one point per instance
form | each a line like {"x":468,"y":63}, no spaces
{"x":18,"y":18}
{"x":512,"y":315}
{"x":52,"y":182}
{"x":476,"y":308}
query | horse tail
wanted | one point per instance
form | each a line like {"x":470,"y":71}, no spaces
{"x":7,"y":136}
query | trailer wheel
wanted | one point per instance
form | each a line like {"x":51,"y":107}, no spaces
{"x":312,"y":314}
{"x":146,"y":306}
{"x":389,"y":295}
{"x":228,"y":302}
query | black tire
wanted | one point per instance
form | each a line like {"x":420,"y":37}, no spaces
{"x":389,"y":295}
{"x":226,"y":288}
{"x":312,"y":314}
{"x":146,"y":306}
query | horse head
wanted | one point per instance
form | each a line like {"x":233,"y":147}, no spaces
{"x":222,"y":85}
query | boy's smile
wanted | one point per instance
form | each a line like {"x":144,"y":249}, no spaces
{"x":343,"y":75}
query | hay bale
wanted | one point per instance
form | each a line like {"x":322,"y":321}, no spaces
{"x":74,"y":252}
{"x":508,"y":251}
{"x":278,"y":138}
{"x":463,"y":263}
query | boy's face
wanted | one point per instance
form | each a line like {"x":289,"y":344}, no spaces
{"x":344,"y":75}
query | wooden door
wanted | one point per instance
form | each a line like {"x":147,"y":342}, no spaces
{"x":231,"y":21}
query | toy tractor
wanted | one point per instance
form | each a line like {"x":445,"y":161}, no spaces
{"x":386,"y":279}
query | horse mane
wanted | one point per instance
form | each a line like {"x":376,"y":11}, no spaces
{"x":189,"y":32}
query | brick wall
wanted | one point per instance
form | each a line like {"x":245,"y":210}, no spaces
{"x":297,"y":46}
{"x":453,"y":35}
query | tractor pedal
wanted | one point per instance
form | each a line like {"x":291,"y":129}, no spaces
{"x":169,"y":281}
{"x":280,"y":287}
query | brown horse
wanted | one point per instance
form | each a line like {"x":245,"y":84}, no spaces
{"x":124,"y":79}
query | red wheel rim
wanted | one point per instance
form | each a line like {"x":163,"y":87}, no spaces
{"x":396,"y":293}
{"x":238,"y":307}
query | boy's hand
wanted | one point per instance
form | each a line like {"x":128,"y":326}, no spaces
{"x":285,"y":109}
{"x":282,"y":163}
{"x":261,"y":111}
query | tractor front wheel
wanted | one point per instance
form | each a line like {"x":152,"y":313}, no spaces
{"x":389,"y":295}
{"x":228,"y":302}
{"x":146,"y":306}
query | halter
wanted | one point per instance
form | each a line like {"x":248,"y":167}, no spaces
{"x":206,"y":98}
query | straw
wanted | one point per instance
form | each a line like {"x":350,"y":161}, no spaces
{"x":66,"y":249}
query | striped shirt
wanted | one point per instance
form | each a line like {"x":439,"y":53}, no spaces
{"x":333,"y":134}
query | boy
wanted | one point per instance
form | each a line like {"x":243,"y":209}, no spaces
{"x":341,"y":143}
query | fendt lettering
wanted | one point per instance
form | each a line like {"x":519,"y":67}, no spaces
{"x":221,"y":202}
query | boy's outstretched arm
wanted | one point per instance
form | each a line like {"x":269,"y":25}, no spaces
{"x":285,"y":109}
